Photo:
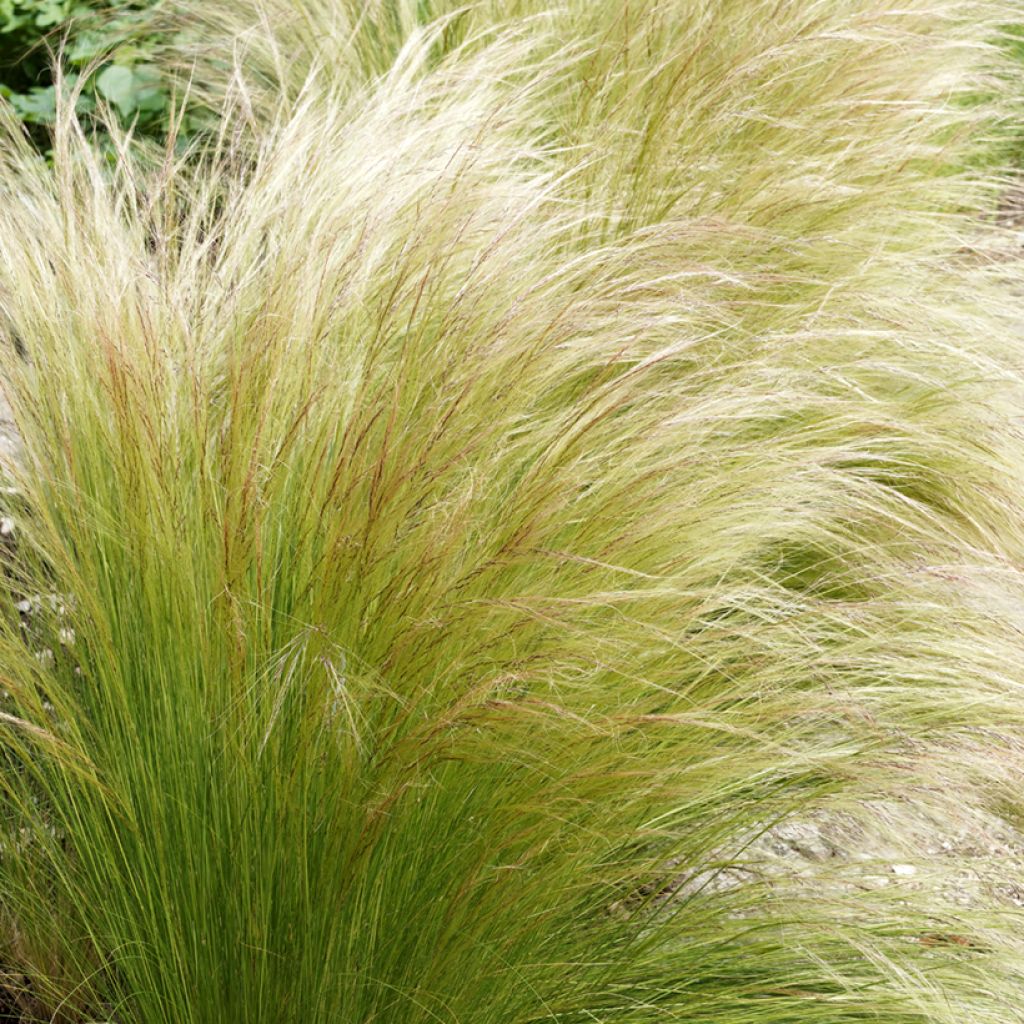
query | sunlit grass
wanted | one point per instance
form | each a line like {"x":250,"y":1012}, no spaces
{"x":503,"y":475}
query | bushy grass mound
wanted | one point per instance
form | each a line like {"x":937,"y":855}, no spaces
{"x":526,"y":456}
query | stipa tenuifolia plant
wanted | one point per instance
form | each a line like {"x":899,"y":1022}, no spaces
{"x":485,"y":490}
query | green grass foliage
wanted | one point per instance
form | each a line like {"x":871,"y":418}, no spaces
{"x":531,"y":452}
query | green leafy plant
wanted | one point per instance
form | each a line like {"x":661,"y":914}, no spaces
{"x":527,"y":456}
{"x":108,"y":50}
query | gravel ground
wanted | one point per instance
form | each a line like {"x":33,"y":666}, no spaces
{"x":10,"y":443}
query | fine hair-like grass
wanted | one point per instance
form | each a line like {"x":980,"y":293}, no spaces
{"x":524,"y":458}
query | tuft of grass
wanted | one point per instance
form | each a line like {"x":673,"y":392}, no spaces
{"x":526,"y":456}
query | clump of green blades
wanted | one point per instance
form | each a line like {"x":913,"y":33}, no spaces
{"x":471,"y":505}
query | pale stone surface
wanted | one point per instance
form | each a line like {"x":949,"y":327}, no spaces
{"x":10,"y":443}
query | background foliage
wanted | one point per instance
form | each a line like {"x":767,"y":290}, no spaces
{"x":108,"y":47}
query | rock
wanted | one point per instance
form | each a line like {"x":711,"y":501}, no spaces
{"x":804,"y":839}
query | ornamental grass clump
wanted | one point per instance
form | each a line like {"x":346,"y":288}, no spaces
{"x":487,"y":487}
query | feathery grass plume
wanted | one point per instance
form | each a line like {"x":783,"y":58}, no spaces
{"x":464,"y":541}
